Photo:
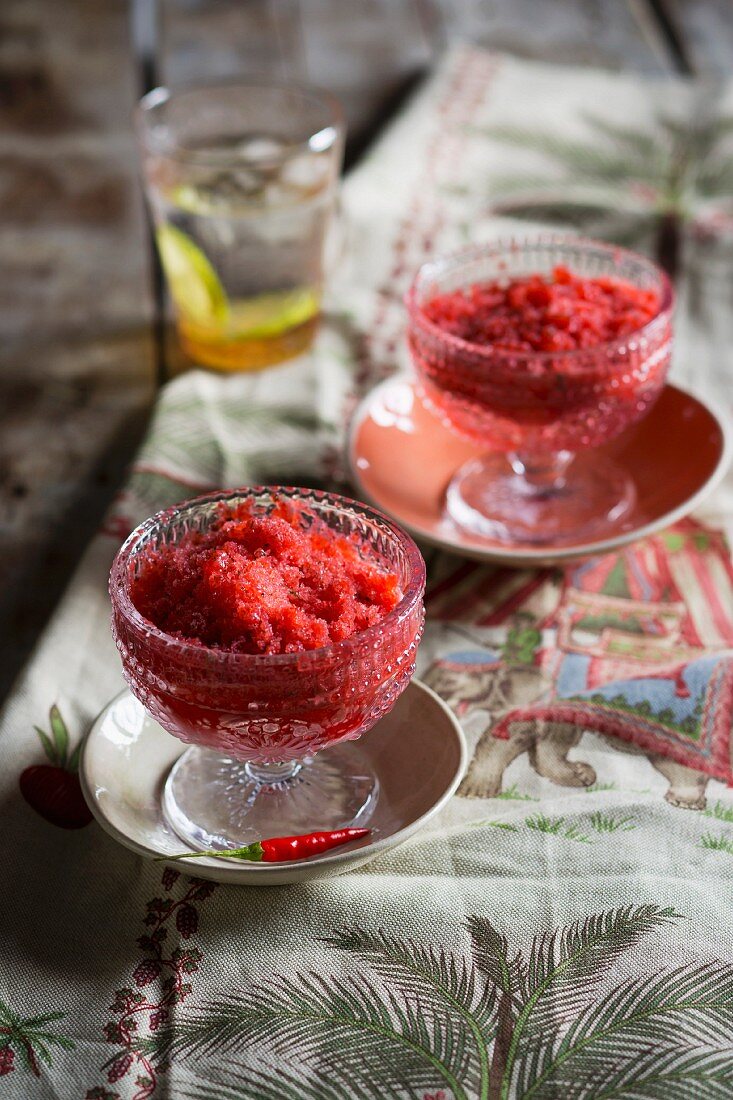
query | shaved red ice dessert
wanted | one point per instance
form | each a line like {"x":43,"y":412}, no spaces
{"x":267,"y":623}
{"x":559,"y":312}
{"x":541,"y":361}
{"x":539,"y":350}
{"x":263,"y":584}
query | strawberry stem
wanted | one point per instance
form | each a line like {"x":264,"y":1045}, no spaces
{"x":48,"y":746}
{"x":60,"y":734}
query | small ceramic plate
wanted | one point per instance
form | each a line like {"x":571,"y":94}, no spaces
{"x":402,"y":458}
{"x":417,"y":751}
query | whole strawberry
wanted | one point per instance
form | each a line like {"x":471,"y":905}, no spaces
{"x":53,"y":790}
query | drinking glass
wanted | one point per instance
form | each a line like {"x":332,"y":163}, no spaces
{"x":256,"y":721}
{"x":241,"y":180}
{"x":539,"y":414}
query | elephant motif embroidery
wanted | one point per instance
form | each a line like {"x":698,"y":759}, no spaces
{"x":637,"y":648}
{"x":548,"y":732}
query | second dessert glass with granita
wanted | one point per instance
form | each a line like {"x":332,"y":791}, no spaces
{"x":539,"y":405}
{"x":255,"y":720}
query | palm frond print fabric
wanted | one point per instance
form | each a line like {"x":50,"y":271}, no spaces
{"x":498,"y":1020}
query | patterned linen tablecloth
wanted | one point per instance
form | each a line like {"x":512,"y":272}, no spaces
{"x":563,"y":929}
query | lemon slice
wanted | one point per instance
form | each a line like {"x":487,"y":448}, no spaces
{"x":271,"y":314}
{"x":194,"y":285}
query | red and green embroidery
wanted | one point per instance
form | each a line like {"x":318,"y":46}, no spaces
{"x":159,"y":983}
{"x":27,"y":1041}
{"x":53,"y":789}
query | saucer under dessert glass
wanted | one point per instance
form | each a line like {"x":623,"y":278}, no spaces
{"x":539,"y":414}
{"x":256,"y":721}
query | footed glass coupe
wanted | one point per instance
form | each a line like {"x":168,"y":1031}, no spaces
{"x":271,"y":735}
{"x":539,"y":414}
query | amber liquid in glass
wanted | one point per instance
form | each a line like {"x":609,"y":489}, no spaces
{"x":242,"y":251}
{"x":242,"y":353}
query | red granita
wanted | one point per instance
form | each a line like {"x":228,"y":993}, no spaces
{"x":257,"y":583}
{"x":538,"y":313}
{"x":542,"y":361}
{"x":243,"y":588}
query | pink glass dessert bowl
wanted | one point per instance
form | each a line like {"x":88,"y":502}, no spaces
{"x":256,"y":720}
{"x":539,"y":413}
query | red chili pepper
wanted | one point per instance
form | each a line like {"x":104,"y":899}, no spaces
{"x":278,"y":849}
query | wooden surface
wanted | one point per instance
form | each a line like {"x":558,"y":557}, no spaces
{"x":75,"y":370}
{"x":76,"y":306}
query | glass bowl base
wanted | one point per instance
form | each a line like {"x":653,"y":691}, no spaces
{"x":488,"y":498}
{"x":214,"y":801}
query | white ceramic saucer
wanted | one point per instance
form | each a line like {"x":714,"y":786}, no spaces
{"x":417,"y":751}
{"x":402,"y":459}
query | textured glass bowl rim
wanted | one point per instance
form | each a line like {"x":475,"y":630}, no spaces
{"x":513,"y":245}
{"x":123,"y":605}
{"x":174,"y":151}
